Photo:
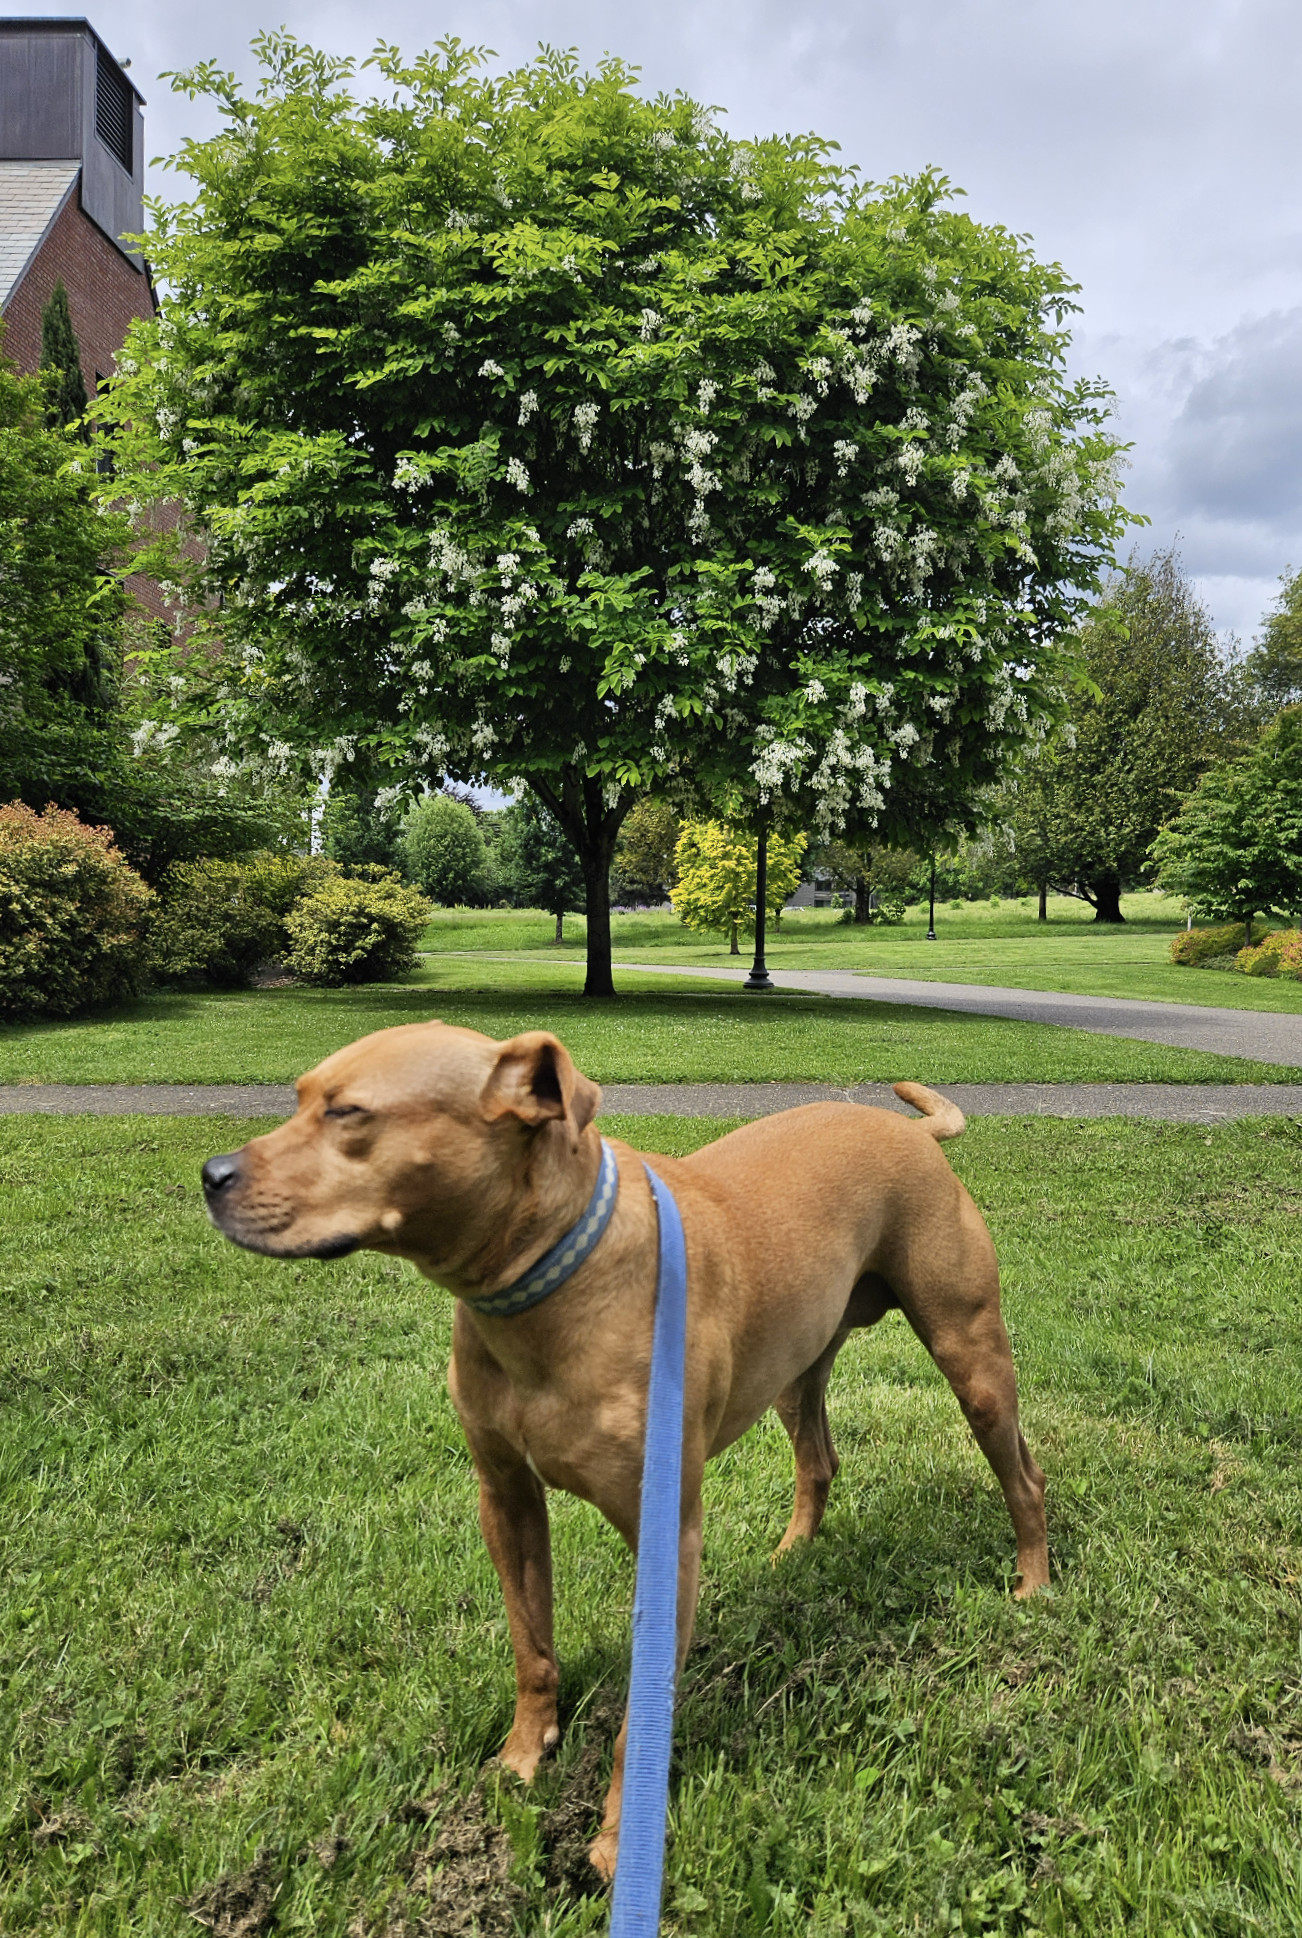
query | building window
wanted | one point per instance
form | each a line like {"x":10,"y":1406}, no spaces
{"x":113,"y":109}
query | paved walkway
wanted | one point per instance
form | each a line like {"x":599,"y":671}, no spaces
{"x":1193,"y":1103}
{"x":1264,"y":1037}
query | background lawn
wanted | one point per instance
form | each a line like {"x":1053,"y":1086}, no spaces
{"x":248,"y":1631}
{"x":977,"y":943}
{"x":661,"y":1030}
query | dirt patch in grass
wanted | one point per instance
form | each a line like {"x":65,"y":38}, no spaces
{"x":241,"y":1904}
{"x":461,"y":1882}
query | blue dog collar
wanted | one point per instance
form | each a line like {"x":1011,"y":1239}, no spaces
{"x":566,"y":1255}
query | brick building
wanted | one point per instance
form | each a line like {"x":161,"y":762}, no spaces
{"x":72,"y":170}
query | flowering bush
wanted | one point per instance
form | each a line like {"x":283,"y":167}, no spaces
{"x":1194,"y":947}
{"x":74,"y":915}
{"x":356,"y":931}
{"x":1279,"y":955}
{"x":220,"y":919}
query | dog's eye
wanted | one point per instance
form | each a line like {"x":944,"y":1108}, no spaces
{"x":346,"y":1110}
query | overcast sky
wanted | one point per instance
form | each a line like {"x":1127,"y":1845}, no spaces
{"x":1153,"y":147}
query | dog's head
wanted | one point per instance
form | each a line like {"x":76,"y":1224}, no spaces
{"x":412,"y":1141}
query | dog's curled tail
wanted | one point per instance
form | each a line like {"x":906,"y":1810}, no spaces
{"x":939,"y":1116}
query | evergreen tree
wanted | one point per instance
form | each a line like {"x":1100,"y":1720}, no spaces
{"x":539,"y":862}
{"x":65,"y":388}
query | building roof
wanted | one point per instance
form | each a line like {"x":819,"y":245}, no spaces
{"x":32,"y":194}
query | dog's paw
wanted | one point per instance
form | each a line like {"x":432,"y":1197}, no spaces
{"x":602,"y":1852}
{"x":522,"y":1756}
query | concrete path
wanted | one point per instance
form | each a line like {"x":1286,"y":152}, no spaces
{"x":1194,"y":1103}
{"x":1265,"y":1037}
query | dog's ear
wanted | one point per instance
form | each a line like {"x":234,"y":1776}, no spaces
{"x":534,"y":1079}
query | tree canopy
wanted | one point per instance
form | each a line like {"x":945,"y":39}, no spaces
{"x":443,"y":851}
{"x":1161,"y":704}
{"x":537,"y":862}
{"x":535,"y":428}
{"x":1275,"y":664}
{"x":1235,"y":848}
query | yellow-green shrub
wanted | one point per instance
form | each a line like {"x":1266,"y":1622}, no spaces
{"x":356,"y":931}
{"x":1279,"y":955}
{"x":74,"y":915}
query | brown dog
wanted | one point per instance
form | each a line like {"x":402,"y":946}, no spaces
{"x":472,"y":1158}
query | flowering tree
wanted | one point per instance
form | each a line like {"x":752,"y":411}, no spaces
{"x":536,"y":429}
{"x":716,"y":881}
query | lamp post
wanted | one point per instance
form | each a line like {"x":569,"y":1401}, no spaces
{"x":931,"y":910}
{"x":759,"y":981}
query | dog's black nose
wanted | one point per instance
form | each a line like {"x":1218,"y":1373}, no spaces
{"x":219,"y":1173}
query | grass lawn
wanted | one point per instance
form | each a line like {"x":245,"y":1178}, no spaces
{"x":661,"y":1030}
{"x":248,"y":1630}
{"x":976,"y":943}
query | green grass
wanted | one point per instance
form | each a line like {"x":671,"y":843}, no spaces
{"x":976,"y":943}
{"x":661,"y":1030}
{"x":244,"y":1608}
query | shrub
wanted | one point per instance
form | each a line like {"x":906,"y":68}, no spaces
{"x":1193,"y":948}
{"x":220,"y":919}
{"x":356,"y":931}
{"x":443,"y":851}
{"x":74,"y":915}
{"x":1279,"y":955}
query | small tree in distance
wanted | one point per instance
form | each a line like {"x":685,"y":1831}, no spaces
{"x":1235,"y":848}
{"x":644,"y":853}
{"x":717,"y":868}
{"x":538,"y":863}
{"x":65,"y":387}
{"x":443,"y":851}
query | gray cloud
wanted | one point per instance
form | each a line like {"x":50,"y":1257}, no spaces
{"x":1152,"y":146}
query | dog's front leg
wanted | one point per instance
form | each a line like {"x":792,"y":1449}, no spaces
{"x":513,"y":1516}
{"x":605,"y":1847}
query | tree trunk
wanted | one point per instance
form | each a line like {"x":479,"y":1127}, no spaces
{"x":579,"y":804}
{"x":560,"y":926}
{"x":1106,"y":898}
{"x":1044,"y":902}
{"x":862,"y":894}
{"x":733,"y":948}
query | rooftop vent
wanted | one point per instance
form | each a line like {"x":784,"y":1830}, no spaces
{"x":113,"y":105}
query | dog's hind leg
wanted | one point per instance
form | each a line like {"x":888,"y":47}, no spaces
{"x":802,"y":1409}
{"x":966,"y":1337}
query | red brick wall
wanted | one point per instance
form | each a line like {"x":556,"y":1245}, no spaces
{"x":104,"y":294}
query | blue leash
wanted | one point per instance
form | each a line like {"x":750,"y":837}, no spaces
{"x":639,"y":1871}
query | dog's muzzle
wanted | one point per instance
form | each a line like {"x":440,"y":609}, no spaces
{"x":222,"y":1177}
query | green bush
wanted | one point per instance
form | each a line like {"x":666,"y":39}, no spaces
{"x":356,"y":931}
{"x":220,"y":919}
{"x":1194,"y":948}
{"x":74,"y":915}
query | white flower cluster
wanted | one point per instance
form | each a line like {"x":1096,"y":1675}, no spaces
{"x":845,"y":452}
{"x":651,"y":321}
{"x":491,"y":368}
{"x":706,"y":392}
{"x":585,"y":422}
{"x":528,"y":405}
{"x":823,"y":568}
{"x":768,"y":608}
{"x":408,"y":475}
{"x":517,"y":475}
{"x":911,"y":460}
